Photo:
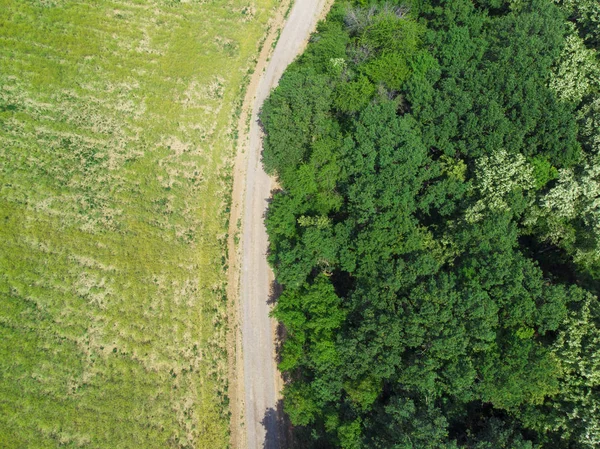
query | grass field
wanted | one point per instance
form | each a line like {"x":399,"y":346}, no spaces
{"x":115,"y":132}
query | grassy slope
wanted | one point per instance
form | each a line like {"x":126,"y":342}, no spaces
{"x":114,"y":128}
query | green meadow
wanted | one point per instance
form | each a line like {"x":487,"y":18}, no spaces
{"x":116,"y":138}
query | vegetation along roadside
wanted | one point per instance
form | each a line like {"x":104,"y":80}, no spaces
{"x":437,"y":228}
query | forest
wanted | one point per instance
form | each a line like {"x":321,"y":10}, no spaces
{"x":436,"y":229}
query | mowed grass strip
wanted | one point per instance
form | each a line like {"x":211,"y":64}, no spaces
{"x":115,"y":136}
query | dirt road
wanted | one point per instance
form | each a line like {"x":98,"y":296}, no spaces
{"x":262,"y":381}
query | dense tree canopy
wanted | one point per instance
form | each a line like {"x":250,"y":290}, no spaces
{"x":437,"y":229}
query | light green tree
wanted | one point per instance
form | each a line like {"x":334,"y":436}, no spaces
{"x":589,"y":125}
{"x":569,"y":214}
{"x":497,"y":176}
{"x":578,"y":71}
{"x":576,"y":410}
{"x":587,"y":16}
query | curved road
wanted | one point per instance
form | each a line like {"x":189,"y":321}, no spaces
{"x":261,"y":378}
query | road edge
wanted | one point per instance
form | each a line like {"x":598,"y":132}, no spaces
{"x":235,"y":361}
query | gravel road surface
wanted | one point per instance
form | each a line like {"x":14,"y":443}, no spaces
{"x":261,"y":379}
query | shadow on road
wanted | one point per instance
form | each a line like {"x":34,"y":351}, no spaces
{"x":274,"y":294}
{"x":276,"y":427}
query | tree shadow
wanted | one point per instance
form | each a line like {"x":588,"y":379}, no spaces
{"x":270,"y":200}
{"x":280,"y":332}
{"x":274,"y":293}
{"x":281,"y":336}
{"x":277,"y":427}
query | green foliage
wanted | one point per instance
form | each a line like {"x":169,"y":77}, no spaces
{"x":523,"y":373}
{"x":578,"y":72}
{"x":388,"y":31}
{"x":329,"y":43}
{"x":543,"y":172}
{"x":390,"y":69}
{"x":354,"y":96}
{"x":586,"y":15}
{"x":298,"y":113}
{"x":589,"y":125}
{"x":495,"y":434}
{"x":437,"y":204}
{"x":568,"y":215}
{"x":493,"y":92}
{"x":574,"y":413}
{"x":498,"y":178}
